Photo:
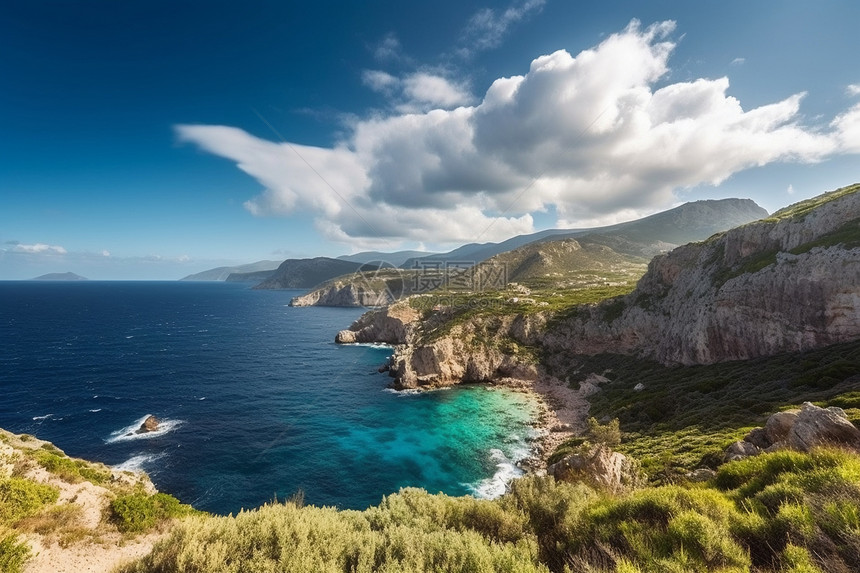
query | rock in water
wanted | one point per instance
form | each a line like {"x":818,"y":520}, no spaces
{"x":345,"y":337}
{"x":149,"y":425}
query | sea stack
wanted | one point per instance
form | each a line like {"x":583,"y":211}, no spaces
{"x":149,"y":425}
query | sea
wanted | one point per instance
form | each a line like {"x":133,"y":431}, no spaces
{"x":256,"y":401}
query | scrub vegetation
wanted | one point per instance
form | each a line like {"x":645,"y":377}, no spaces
{"x":785,"y":511}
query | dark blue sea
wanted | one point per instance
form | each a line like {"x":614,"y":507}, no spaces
{"x":256,"y":400}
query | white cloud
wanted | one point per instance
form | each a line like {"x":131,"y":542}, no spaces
{"x":853,"y":89}
{"x":790,"y":189}
{"x":105,"y":253}
{"x":417,"y":92}
{"x":39,"y":248}
{"x":738,"y":62}
{"x":592,"y":135}
{"x":847,"y":128}
{"x":379,"y":81}
{"x":487,"y":27}
{"x":424,"y":90}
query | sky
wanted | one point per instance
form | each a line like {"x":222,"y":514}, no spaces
{"x":151,"y":140}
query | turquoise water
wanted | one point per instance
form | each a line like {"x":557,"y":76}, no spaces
{"x":257,"y":401}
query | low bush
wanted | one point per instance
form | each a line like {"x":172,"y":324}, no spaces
{"x":13,"y":552}
{"x":139,"y":511}
{"x":71,"y":470}
{"x":20,"y":498}
{"x":784,"y":512}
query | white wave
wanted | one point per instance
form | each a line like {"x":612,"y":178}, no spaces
{"x":96,"y":410}
{"x":415,"y":391}
{"x":129,"y":432}
{"x":402,"y":393}
{"x":497,"y":485}
{"x":377,"y":345}
{"x":129,"y":336}
{"x":138,"y":462}
{"x":45,"y":417}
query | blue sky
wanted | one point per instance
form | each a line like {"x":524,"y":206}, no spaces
{"x":150,"y":140}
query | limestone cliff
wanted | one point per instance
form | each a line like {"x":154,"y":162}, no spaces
{"x":392,"y":325}
{"x":339,"y":293}
{"x":475,"y":351}
{"x":787,"y":283}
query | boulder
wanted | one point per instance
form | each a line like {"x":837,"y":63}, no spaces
{"x":816,"y":426}
{"x":149,"y":425}
{"x":599,"y":467}
{"x":779,"y":425}
{"x":740,"y":450}
{"x":758,"y":437}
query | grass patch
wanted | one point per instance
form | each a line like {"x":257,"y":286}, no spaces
{"x":803,"y":208}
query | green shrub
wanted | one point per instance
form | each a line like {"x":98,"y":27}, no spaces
{"x":138,"y":511}
{"x":13,"y":554}
{"x":391,"y":537}
{"x":68,"y":469}
{"x":20,"y":498}
{"x":608,"y":434}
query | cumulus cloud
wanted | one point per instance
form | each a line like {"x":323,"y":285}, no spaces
{"x":853,"y":89}
{"x":598,"y":136}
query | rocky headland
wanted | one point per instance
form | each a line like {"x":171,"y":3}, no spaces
{"x":787,"y":283}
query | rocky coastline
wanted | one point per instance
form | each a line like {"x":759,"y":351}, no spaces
{"x":783,"y":284}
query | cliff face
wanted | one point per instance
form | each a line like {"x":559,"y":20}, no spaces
{"x":476,"y":351}
{"x":783,"y":284}
{"x":342,"y":294}
{"x":778,"y":285}
{"x":393,"y":324}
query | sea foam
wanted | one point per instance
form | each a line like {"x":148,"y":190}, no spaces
{"x":138,"y":462}
{"x":497,"y":485}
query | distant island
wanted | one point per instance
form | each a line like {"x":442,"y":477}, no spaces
{"x":60,"y":277}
